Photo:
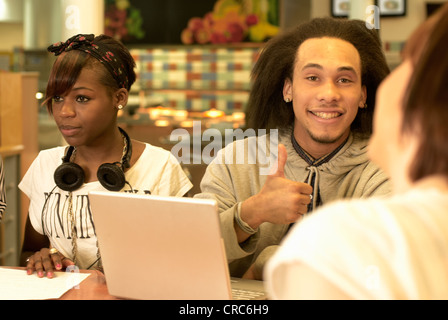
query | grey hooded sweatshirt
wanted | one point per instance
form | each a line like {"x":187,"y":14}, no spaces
{"x":230,"y":180}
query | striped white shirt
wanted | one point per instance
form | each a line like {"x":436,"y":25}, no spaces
{"x":2,"y":190}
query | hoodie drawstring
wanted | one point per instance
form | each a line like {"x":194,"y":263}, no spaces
{"x":313,"y":181}
{"x":313,"y":178}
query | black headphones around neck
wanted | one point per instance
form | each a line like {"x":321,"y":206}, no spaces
{"x":69,"y":176}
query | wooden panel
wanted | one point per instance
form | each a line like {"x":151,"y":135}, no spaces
{"x":30,"y":132}
{"x":18,"y":133}
{"x":10,"y":109}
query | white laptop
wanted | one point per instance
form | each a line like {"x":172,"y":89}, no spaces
{"x":165,"y":248}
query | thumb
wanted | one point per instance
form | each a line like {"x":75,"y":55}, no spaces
{"x":281,"y":161}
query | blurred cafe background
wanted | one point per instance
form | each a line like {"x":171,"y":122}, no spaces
{"x":193,"y":57}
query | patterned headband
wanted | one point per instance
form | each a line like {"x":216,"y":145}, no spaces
{"x":84,"y":42}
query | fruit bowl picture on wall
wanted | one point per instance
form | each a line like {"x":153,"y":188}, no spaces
{"x":122,"y":20}
{"x":234,"y":21}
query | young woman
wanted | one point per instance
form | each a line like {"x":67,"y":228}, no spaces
{"x":394,"y":248}
{"x":89,"y":82}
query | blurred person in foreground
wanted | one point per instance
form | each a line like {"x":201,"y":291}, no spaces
{"x":392,"y":248}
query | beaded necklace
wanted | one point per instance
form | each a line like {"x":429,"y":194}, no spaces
{"x":74,"y":232}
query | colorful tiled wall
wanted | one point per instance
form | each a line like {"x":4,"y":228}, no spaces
{"x":196,"y":78}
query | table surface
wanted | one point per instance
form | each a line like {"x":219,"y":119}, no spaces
{"x":92,"y":288}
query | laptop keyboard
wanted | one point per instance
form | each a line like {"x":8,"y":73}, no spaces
{"x":238,"y":294}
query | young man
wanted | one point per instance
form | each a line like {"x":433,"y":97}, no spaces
{"x":316,"y":84}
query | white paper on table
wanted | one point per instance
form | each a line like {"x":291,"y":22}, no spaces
{"x":18,"y":285}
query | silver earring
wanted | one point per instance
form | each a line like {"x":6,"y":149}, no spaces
{"x":120,"y":107}
{"x":287,"y":100}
